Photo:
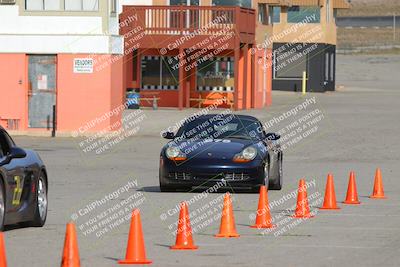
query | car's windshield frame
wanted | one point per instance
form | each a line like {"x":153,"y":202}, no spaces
{"x":244,"y":124}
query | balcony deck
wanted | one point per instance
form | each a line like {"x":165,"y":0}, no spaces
{"x":184,"y":27}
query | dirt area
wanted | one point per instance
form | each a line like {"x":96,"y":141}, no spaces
{"x":372,"y":8}
{"x":357,"y":37}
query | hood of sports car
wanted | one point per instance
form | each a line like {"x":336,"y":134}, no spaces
{"x":213,"y":148}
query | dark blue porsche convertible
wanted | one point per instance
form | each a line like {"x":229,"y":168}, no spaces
{"x":225,"y":149}
{"x":23,"y":185}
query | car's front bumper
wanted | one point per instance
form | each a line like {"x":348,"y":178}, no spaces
{"x":197,"y":173}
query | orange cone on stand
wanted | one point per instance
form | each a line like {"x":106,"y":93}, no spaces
{"x":330,"y":195}
{"x":352,"y":196}
{"x":378,"y":186}
{"x":70,"y":256}
{"x":184,"y":239}
{"x":263,"y":217}
{"x":3,"y":259}
{"x":135,"y":250}
{"x":227,"y":227}
{"x":302,"y":208}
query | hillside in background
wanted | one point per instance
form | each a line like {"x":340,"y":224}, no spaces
{"x":372,"y":8}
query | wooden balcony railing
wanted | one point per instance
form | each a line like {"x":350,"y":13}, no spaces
{"x":164,"y":21}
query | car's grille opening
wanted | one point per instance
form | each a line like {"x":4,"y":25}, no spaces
{"x":232,"y":176}
{"x":237,"y":176}
{"x":180,"y":175}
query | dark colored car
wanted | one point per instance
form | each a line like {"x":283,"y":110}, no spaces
{"x":23,"y":185}
{"x":225,"y":149}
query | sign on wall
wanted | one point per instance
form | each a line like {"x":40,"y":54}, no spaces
{"x":42,"y":82}
{"x":83,"y":65}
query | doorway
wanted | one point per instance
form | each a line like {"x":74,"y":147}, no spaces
{"x":41,"y":90}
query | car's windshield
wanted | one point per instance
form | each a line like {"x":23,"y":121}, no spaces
{"x":217,"y":127}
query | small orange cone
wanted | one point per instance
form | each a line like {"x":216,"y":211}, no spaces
{"x":70,"y":256}
{"x":302,"y":208}
{"x":263,"y":217}
{"x":378,"y":186}
{"x":330,"y":195}
{"x":184,"y":239}
{"x":352,"y":196}
{"x":3,"y":259}
{"x":227,"y":227}
{"x":135,"y":250}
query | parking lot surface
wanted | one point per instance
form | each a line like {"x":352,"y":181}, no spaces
{"x":359,"y":131}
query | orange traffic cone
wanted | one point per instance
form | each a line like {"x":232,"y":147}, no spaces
{"x":352,"y":196}
{"x":3,"y":259}
{"x":330,"y":195}
{"x":227,"y":227}
{"x":263,"y":217}
{"x":70,"y":256}
{"x":184,"y":239}
{"x":302,"y":208}
{"x":135,"y":250}
{"x":378,"y":186}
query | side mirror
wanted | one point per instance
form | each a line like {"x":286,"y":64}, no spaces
{"x":272,"y":137}
{"x":17,"y":153}
{"x":168,"y":135}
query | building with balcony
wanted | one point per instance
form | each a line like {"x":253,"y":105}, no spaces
{"x":187,"y":53}
{"x":195,"y":53}
{"x":62,"y":53}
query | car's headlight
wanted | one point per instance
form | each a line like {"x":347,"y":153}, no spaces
{"x":248,"y":154}
{"x":174,"y":153}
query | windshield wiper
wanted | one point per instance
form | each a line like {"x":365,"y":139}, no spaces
{"x":240,"y":137}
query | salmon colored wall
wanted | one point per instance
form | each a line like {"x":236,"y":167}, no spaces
{"x":82,"y":98}
{"x":117,"y":86}
{"x":13,"y":96}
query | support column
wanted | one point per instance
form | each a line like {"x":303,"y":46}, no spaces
{"x":188,"y":82}
{"x":245,"y":74}
{"x":236,"y":73}
{"x":269,"y":76}
{"x":138,"y":69}
{"x":181,"y":81}
{"x":253,"y":77}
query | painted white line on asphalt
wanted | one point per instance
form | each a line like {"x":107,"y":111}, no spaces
{"x":354,"y":228}
{"x":359,"y":215}
{"x":329,"y":246}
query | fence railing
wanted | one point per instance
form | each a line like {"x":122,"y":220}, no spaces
{"x":199,"y":20}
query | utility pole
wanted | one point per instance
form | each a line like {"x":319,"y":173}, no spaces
{"x":394,"y":28}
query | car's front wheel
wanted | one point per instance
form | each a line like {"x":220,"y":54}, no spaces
{"x":275,"y":182}
{"x":2,"y":205}
{"x":41,"y":202}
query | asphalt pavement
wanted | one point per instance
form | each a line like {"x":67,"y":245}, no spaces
{"x":359,"y":130}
